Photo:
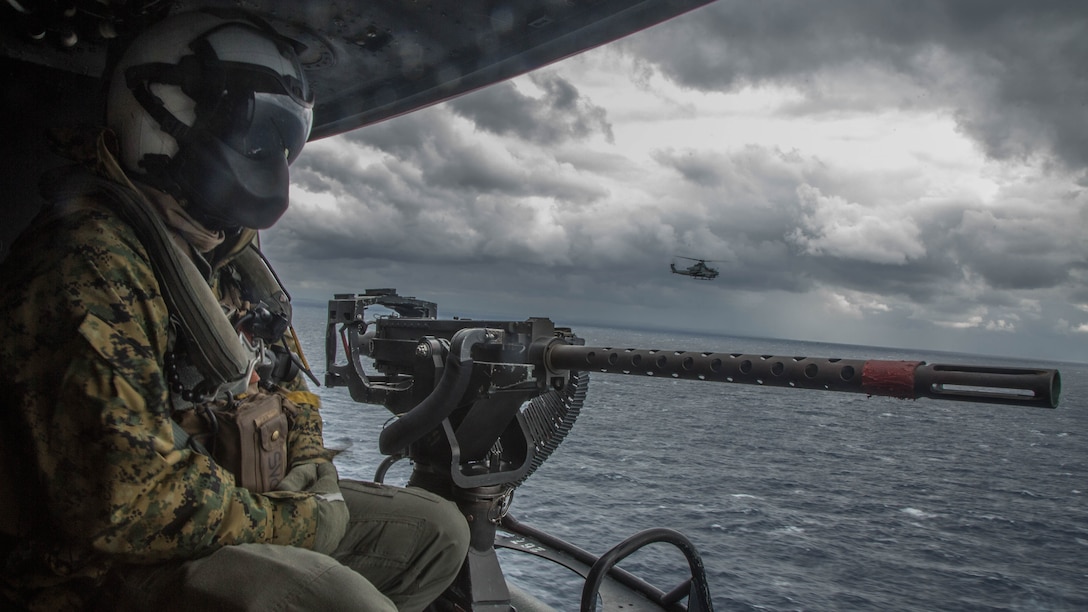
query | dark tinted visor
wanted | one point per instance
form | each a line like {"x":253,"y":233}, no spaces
{"x":254,"y":109}
{"x":262,"y":125}
{"x":247,"y":77}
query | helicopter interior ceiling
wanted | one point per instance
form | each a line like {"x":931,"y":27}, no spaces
{"x":367,"y":61}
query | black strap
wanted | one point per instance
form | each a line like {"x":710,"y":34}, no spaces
{"x":182,"y":440}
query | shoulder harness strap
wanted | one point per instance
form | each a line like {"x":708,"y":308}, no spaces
{"x":214,"y":345}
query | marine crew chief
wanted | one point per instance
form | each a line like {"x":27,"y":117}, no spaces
{"x":104,"y":504}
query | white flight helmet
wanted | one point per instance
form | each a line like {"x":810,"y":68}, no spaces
{"x":212,"y":108}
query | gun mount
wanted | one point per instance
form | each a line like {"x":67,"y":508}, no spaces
{"x":482,"y":404}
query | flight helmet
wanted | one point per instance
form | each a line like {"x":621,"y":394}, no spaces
{"x":212,"y":109}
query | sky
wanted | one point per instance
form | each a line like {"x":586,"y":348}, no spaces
{"x":875,"y":172}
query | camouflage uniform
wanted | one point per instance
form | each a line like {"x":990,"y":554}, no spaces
{"x":89,"y":474}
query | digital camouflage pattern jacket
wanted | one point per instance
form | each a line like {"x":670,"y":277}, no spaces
{"x":89,"y":473}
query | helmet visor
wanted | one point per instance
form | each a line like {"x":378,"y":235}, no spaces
{"x":262,"y":125}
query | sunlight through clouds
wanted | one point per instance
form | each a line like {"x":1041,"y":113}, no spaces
{"x":837,"y":228}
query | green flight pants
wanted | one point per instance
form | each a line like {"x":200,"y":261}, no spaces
{"x":402,"y":548}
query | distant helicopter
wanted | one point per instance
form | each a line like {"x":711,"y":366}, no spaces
{"x":699,"y":270}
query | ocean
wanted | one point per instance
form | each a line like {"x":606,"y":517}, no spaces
{"x":796,"y":499}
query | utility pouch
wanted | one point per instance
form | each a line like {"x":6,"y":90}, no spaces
{"x":249,"y":438}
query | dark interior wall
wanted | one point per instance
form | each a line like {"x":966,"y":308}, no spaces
{"x":35,"y":98}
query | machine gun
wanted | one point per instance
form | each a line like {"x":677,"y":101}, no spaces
{"x":482,"y":404}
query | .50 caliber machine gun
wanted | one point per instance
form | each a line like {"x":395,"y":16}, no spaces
{"x":482,"y":404}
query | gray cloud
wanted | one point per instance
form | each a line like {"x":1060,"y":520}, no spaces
{"x":1019,"y":248}
{"x":1013,"y":74}
{"x":776,"y":220}
{"x":419,"y":190}
{"x":561,"y":114}
{"x":790,"y":223}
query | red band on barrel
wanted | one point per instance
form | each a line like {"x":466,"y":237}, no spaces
{"x":890,"y":378}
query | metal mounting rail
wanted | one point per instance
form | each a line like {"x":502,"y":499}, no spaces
{"x":694,"y":588}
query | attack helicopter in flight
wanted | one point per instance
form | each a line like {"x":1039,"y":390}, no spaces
{"x":698,"y":270}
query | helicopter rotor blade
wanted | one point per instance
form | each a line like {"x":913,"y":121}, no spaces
{"x":697,"y":259}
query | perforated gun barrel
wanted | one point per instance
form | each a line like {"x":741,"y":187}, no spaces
{"x":901,"y":379}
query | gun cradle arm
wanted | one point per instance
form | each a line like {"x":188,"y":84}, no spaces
{"x":429,"y":413}
{"x":902,"y":379}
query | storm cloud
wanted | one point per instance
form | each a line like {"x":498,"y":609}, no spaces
{"x":560,"y":114}
{"x":1014,"y":74}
